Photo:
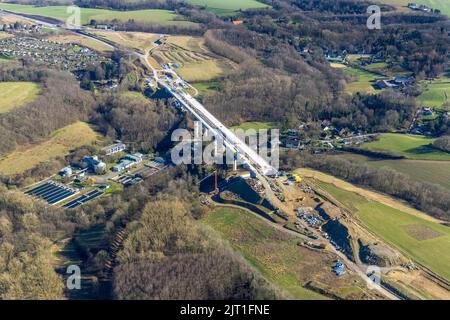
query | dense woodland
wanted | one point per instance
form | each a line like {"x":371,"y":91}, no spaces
{"x":139,"y":122}
{"x":415,"y":41}
{"x":291,"y":89}
{"x":167,"y":255}
{"x":27,"y":233}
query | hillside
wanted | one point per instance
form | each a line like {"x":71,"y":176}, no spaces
{"x":16,"y":94}
{"x":59,"y":145}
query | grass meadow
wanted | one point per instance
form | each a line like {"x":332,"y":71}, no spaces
{"x":410,"y":146}
{"x":227,"y":7}
{"x":442,"y":5}
{"x":437,"y":172}
{"x":61,"y":13}
{"x":16,"y":94}
{"x":436,"y":94}
{"x":59,"y":145}
{"x":361,"y":81}
{"x":425,"y":241}
{"x":278,"y":257}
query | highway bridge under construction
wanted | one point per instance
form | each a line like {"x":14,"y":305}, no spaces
{"x":249,"y":157}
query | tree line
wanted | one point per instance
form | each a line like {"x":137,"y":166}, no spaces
{"x":430,"y":198}
{"x":133,"y":5}
{"x":442,"y":143}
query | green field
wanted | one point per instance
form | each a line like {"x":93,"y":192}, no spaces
{"x":60,"y":143}
{"x":424,"y":241}
{"x":377,"y":66}
{"x":442,"y":5}
{"x":249,"y":236}
{"x":437,"y":172}
{"x":255,"y":125}
{"x":410,"y":146}
{"x":60,"y":13}
{"x":205,"y":88}
{"x":203,"y":70}
{"x":278,"y":257}
{"x":437,"y":94}
{"x":16,"y":94}
{"x":226,"y":7}
{"x":135,"y":95}
{"x":362,"y":81}
{"x":355,"y":58}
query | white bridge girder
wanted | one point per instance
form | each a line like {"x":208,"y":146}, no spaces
{"x":253,"y":161}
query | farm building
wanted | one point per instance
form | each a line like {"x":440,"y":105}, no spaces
{"x":66,"y":172}
{"x":159,"y":160}
{"x":127,"y":162}
{"x":137,"y":157}
{"x":427,"y":111}
{"x":114,"y":148}
{"x":339,"y":268}
{"x":403,"y":81}
{"x":384,"y":84}
{"x":94,"y":164}
{"x":122,"y":166}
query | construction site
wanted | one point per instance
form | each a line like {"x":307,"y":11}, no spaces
{"x":330,"y":232}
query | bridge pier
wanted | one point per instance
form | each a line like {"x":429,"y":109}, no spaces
{"x":216,"y":151}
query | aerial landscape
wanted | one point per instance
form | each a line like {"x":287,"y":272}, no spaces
{"x":224,"y":150}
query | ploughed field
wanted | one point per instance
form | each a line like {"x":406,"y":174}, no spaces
{"x":191,"y":59}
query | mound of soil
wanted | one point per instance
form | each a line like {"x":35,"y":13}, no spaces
{"x":340,"y":235}
{"x":329,"y":211}
{"x":378,"y":254}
